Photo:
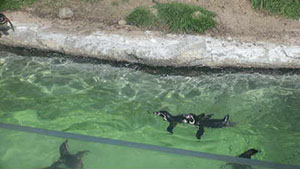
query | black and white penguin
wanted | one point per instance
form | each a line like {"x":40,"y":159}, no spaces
{"x":203,"y":120}
{"x":4,"y":25}
{"x":173,"y":120}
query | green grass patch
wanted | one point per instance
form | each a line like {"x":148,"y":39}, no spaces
{"x":141,"y":17}
{"x":177,"y":17}
{"x":287,"y":8}
{"x":14,"y":4}
{"x":181,"y":17}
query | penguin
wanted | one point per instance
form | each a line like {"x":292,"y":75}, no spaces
{"x":204,"y":120}
{"x":173,"y":120}
{"x":72,"y":161}
{"x":68,"y":160}
{"x":3,"y":25}
{"x":247,"y":154}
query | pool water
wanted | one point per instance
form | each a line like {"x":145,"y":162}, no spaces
{"x":114,"y":102}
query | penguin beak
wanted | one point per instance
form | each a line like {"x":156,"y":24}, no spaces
{"x":11,"y":25}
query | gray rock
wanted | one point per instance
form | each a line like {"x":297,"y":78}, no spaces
{"x":157,"y":50}
{"x":65,"y":13}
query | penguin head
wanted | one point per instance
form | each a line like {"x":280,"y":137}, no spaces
{"x":189,"y":118}
{"x":164,"y":114}
{"x":64,"y":149}
{"x":4,"y":20}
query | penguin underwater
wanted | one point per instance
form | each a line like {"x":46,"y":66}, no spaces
{"x":68,"y":160}
{"x":247,"y":154}
{"x":3,"y":25}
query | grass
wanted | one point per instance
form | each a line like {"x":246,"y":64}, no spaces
{"x":14,"y":4}
{"x":141,"y":17}
{"x":178,"y":17}
{"x":287,"y":8}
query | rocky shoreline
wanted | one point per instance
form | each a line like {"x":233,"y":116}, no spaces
{"x":155,"y":50}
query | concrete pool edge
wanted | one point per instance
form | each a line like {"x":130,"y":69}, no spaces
{"x":150,"y":49}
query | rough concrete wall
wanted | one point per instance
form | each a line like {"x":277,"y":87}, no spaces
{"x":166,"y":50}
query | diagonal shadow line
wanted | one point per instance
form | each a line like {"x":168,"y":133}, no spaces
{"x":177,"y":151}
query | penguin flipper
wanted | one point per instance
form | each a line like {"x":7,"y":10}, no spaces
{"x":171,"y":127}
{"x":249,"y":153}
{"x":226,"y":119}
{"x":200,"y":132}
{"x":209,"y":116}
{"x":11,"y":25}
{"x":81,"y":153}
{"x":55,"y":165}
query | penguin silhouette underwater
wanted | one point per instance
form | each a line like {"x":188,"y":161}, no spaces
{"x":247,"y":154}
{"x":4,"y":25}
{"x":201,"y":121}
{"x":68,"y":160}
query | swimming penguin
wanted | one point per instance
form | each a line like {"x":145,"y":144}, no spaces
{"x":203,"y":120}
{"x":72,"y":161}
{"x":247,"y":154}
{"x":173,"y":120}
{"x":68,"y":160}
{"x":3,"y":25}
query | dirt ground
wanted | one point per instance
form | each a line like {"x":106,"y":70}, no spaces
{"x":236,"y":18}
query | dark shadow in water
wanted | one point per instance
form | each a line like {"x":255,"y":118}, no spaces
{"x":158,"y":70}
{"x":68,"y":160}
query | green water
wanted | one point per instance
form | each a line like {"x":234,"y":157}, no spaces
{"x":112,"y":102}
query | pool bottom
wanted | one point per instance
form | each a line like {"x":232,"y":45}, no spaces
{"x":39,"y":149}
{"x":24,"y":150}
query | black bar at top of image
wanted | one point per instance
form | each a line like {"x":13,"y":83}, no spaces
{"x":177,"y":151}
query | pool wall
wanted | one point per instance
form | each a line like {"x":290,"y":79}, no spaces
{"x":152,"y":49}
